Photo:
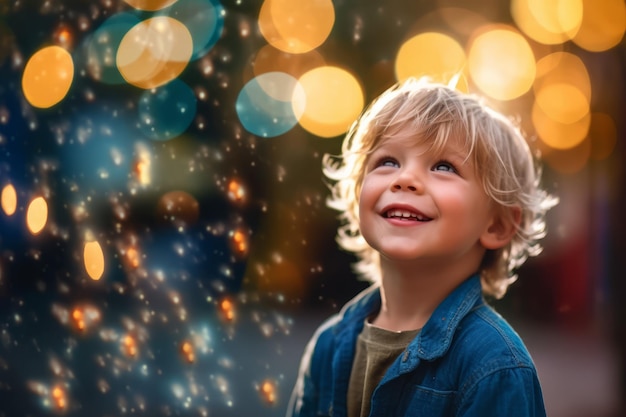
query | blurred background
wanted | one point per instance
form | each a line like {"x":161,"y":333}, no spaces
{"x":165,"y":248}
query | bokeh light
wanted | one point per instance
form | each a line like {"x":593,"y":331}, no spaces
{"x":603,"y":25}
{"x":103,"y":44}
{"x":93,"y":259}
{"x":296,"y":26}
{"x":501,"y":63}
{"x":82,"y":318}
{"x":557,"y":134}
{"x":333,"y":100}
{"x":37,"y":215}
{"x":236,"y":191}
{"x":8,"y":199}
{"x":227,"y":310}
{"x":150,"y":5}
{"x":48,"y":76}
{"x":129,"y":346}
{"x":264,"y":105}
{"x":561,"y":111}
{"x":562,"y":102}
{"x":549,"y":22}
{"x":268,"y":391}
{"x":59,"y":398}
{"x":179,"y":208}
{"x":563,"y":68}
{"x":239,"y":242}
{"x":187,"y":351}
{"x":154,"y":52}
{"x":64,"y":36}
{"x":430,"y":54}
{"x":167,"y":111}
{"x":142,"y":165}
{"x":203,"y":18}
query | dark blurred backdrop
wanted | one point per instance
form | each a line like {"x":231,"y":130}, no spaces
{"x":184,"y":254}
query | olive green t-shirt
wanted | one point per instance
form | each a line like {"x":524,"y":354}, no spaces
{"x":376,"y":349}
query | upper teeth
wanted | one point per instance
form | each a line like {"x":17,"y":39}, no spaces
{"x":405,"y":214}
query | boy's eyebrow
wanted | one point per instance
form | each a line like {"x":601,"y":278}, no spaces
{"x":452,"y":152}
{"x":456,"y":154}
{"x":448,"y":150}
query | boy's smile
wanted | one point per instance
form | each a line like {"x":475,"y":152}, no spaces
{"x":404,"y":213}
{"x":417,"y":204}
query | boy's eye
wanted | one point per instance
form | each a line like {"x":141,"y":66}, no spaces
{"x":444,"y":166}
{"x":384,"y":161}
{"x":387,"y":162}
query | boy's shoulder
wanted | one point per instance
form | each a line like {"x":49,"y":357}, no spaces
{"x":464,"y":325}
{"x":342,"y":327}
{"x":486,"y":340}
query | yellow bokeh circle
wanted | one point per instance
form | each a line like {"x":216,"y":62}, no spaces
{"x":333,"y":98}
{"x":563,"y":102}
{"x":501,"y":63}
{"x":93,"y":258}
{"x":556,"y":134}
{"x":8,"y":199}
{"x":37,"y":215}
{"x":150,"y":5}
{"x":563,"y":68}
{"x":296,"y":26}
{"x":548,"y":22}
{"x":429,"y":54}
{"x":154,"y":52}
{"x":48,"y":76}
{"x":603,"y":25}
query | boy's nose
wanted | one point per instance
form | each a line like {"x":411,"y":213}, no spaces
{"x":408,"y":182}
{"x":408,"y":187}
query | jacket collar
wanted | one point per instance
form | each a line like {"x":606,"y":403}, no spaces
{"x":433,"y":341}
{"x":435,"y":338}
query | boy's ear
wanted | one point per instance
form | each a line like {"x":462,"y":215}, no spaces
{"x":502,"y":228}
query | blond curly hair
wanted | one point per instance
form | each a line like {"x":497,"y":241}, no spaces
{"x":436,"y":113}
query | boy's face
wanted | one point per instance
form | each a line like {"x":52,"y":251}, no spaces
{"x":418,"y":205}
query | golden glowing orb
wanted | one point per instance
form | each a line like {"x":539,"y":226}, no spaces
{"x":94,"y":260}
{"x":48,"y":76}
{"x":8,"y":199}
{"x":37,"y":215}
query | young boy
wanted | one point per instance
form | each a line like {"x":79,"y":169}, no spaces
{"x":440,"y":200}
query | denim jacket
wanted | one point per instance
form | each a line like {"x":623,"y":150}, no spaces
{"x":466,"y":361}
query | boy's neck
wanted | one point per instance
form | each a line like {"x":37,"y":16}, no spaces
{"x":409,"y":298}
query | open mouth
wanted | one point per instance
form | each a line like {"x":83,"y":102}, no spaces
{"x":405,"y":215}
